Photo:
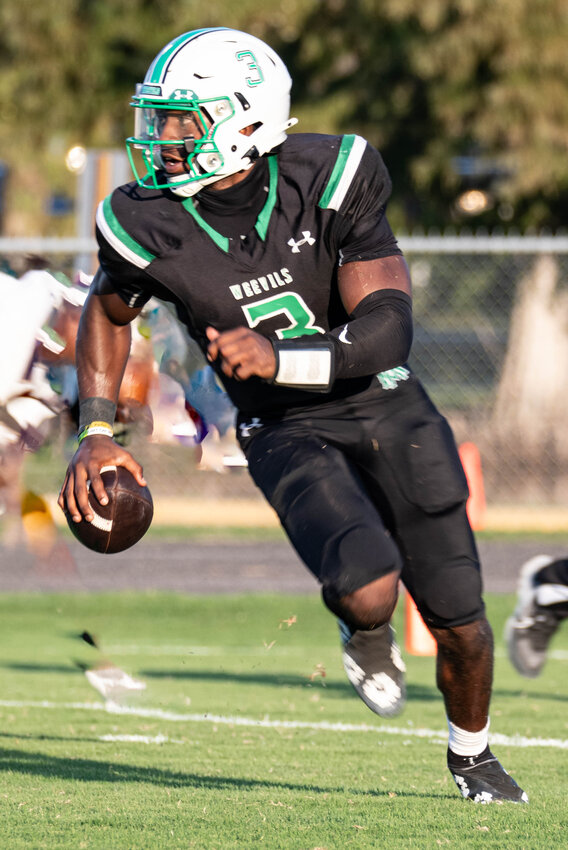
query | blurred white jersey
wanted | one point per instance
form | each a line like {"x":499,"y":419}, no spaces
{"x":27,"y":304}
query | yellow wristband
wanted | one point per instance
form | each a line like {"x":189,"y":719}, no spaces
{"x":96,"y":428}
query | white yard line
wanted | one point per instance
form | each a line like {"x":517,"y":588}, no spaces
{"x":436,"y":735}
{"x":140,"y":739}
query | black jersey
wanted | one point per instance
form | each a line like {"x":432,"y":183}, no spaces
{"x":325,"y":205}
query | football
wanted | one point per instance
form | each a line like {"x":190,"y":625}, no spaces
{"x":123,"y":521}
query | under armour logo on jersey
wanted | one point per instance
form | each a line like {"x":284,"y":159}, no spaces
{"x":307,"y":240}
{"x":246,"y":427}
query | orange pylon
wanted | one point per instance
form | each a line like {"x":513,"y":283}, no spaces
{"x":418,"y":640}
{"x":471,"y":462}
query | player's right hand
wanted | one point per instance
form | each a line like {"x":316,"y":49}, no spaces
{"x":94,"y":453}
{"x":241,"y":353}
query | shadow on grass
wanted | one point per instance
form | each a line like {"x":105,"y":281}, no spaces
{"x":88,"y":770}
{"x":521,"y":694}
{"x":417,"y":693}
{"x":273,"y":680}
{"x":30,"y":667}
{"x":286,"y":680}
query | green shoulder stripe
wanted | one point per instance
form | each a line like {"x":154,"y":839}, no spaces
{"x":350,"y":154}
{"x":119,"y":239}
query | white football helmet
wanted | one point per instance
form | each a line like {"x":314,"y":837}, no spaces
{"x":228,"y":80}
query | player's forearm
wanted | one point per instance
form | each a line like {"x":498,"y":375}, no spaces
{"x":102,"y":351}
{"x":377,"y":337}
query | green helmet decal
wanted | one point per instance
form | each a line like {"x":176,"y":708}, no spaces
{"x":256,"y":76}
{"x":158,"y":67}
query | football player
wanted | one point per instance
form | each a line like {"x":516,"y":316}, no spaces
{"x":278,"y":256}
{"x":542,"y":605}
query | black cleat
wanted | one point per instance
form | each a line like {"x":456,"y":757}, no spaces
{"x":529,"y":630}
{"x":375,"y":668}
{"x":483,"y":779}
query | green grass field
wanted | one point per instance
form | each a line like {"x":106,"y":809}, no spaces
{"x":248,"y":734}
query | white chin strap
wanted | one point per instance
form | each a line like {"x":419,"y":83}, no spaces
{"x":187,"y":190}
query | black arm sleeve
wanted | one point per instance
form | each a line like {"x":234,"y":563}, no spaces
{"x":377,"y":337}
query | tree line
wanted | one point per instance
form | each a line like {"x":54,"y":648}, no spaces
{"x":458,"y":95}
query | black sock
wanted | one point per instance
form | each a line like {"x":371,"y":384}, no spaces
{"x":455,"y":761}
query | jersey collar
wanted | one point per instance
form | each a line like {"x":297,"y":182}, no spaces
{"x":262,"y":220}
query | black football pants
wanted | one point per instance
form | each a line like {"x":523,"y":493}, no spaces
{"x":364,"y":487}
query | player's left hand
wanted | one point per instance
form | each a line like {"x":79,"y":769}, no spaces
{"x":241,"y":353}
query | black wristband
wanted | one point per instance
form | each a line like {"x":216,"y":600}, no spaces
{"x":96,"y":409}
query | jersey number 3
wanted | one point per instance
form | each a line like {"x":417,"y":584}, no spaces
{"x":292,"y":306}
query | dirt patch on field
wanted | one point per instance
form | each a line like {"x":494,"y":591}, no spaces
{"x":256,"y":513}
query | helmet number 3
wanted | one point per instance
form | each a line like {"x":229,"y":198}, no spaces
{"x":256,"y":76}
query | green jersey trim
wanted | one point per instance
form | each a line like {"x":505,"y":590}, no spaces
{"x":348,"y":159}
{"x":262,"y":221}
{"x":222,"y":242}
{"x":119,"y":239}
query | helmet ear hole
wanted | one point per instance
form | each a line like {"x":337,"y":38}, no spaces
{"x":251,"y":128}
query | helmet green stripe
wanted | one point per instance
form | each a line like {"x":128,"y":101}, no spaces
{"x":156,"y":69}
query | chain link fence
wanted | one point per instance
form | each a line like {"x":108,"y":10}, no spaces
{"x":490,"y":344}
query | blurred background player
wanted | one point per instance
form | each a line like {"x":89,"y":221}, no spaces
{"x":542,"y":604}
{"x":34,"y":306}
{"x":211,"y":416}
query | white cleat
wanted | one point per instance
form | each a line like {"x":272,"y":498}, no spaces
{"x":112,"y":682}
{"x":374,"y":666}
{"x":529,"y":630}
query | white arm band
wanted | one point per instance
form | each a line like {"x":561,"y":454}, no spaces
{"x":307,"y":365}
